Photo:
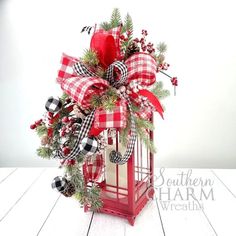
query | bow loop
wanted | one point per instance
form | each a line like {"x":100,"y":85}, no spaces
{"x":123,"y":71}
{"x":141,"y":67}
{"x":82,"y":88}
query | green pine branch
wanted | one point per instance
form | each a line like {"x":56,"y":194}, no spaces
{"x":63,"y":97}
{"x":115,"y":20}
{"x":90,"y":57}
{"x":144,"y":136}
{"x":128,"y":25}
{"x":162,"y":47}
{"x":105,"y":25}
{"x":142,"y":128}
{"x":41,"y":130}
{"x":143,"y":124}
{"x":44,"y":152}
{"x":106,"y":101}
{"x":158,"y":90}
{"x":84,"y":194}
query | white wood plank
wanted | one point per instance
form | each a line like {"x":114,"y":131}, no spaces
{"x":179,"y":217}
{"x":67,"y":218}
{"x":5,"y":173}
{"x":222,"y":211}
{"x":29,"y":214}
{"x":147,"y":221}
{"x":106,"y":225}
{"x":14,"y":187}
{"x":228,"y":179}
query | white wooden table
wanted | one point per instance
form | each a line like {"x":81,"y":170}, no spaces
{"x":29,"y":207}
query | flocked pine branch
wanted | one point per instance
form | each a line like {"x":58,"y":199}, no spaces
{"x":115,"y":20}
{"x":162,"y":47}
{"x":159,"y":91}
{"x":128,"y":25}
{"x":90,"y":57}
{"x":44,"y":152}
{"x":85,"y":195}
{"x":105,"y":25}
{"x":41,"y":130}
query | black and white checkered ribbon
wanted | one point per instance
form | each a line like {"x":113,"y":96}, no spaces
{"x":116,"y":157}
{"x":84,"y":130}
{"x":123,"y":74}
{"x":82,"y":70}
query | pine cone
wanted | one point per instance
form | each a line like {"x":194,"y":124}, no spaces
{"x":131,"y":49}
{"x":69,"y":190}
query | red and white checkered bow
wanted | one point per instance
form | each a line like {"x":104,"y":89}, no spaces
{"x":141,"y":67}
{"x":80,"y":83}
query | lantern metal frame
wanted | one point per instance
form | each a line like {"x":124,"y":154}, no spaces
{"x":127,"y":202}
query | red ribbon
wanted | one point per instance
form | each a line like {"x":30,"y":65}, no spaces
{"x":104,"y":45}
{"x":153,"y":99}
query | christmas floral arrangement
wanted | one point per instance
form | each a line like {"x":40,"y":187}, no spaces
{"x":111,"y":87}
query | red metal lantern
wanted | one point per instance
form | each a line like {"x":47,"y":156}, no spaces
{"x":125,"y":189}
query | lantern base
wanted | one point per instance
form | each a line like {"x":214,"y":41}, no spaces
{"x":119,"y":206}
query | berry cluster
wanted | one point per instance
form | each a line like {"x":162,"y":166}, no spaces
{"x":145,"y":47}
{"x":36,"y":124}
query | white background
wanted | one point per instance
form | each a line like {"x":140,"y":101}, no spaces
{"x":199,"y":129}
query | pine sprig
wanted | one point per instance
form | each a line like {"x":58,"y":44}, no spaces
{"x":143,"y":124}
{"x":128,"y":25}
{"x":124,"y":134}
{"x":106,"y":101}
{"x":159,"y":91}
{"x":85,"y":195}
{"x":41,"y":130}
{"x":115,"y":20}
{"x":90,"y":57}
{"x":63,"y":98}
{"x":144,"y":136}
{"x":162,"y":47}
{"x":44,"y":152}
{"x":105,"y":25}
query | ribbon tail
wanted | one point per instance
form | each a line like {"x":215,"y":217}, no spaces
{"x":153,"y":99}
{"x":95,"y":131}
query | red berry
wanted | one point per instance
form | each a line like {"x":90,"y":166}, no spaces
{"x":144,"y":32}
{"x":63,"y":128}
{"x":33,"y":126}
{"x":38,"y":122}
{"x":50,"y":114}
{"x":68,"y":100}
{"x":66,"y":151}
{"x":128,"y":33}
{"x":144,"y":48}
{"x":50,"y":132}
{"x":51,"y":121}
{"x":142,"y":40}
{"x":65,"y":119}
{"x":70,"y":162}
{"x":63,"y":133}
{"x":122,"y":37}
